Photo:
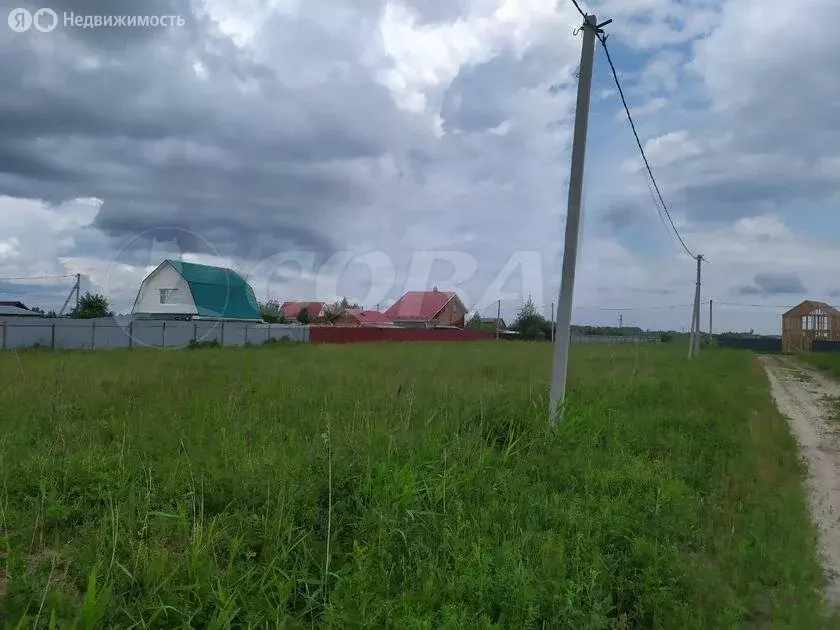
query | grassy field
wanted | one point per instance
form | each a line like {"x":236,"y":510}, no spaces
{"x":828,"y":362}
{"x":399,"y":485}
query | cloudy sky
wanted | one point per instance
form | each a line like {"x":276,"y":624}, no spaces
{"x":368,"y":147}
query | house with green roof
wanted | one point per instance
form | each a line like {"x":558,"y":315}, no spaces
{"x":183,"y":290}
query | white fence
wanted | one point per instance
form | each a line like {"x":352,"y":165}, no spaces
{"x":66,"y":334}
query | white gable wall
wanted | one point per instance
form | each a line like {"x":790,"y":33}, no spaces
{"x":165,"y":277}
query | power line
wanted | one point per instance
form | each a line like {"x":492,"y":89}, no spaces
{"x":753,"y":305}
{"x":603,"y":39}
{"x":71,"y":275}
{"x":632,"y":308}
{"x":577,"y":6}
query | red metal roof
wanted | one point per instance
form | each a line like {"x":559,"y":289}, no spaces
{"x":419,"y":305}
{"x":369,"y":318}
{"x":293,"y":309}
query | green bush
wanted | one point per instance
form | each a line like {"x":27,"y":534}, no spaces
{"x":193,"y":345}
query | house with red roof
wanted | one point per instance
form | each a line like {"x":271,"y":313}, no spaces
{"x":428,"y":309}
{"x":291,"y":310}
{"x":361,"y":318}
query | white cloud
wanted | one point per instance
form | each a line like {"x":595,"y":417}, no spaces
{"x":671,"y":147}
{"x":421,"y":60}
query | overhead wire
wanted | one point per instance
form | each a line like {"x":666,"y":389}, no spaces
{"x":602,"y":38}
{"x":57,"y":277}
{"x":664,"y":206}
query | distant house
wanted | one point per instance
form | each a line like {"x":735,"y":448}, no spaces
{"x":490,"y":322}
{"x":360,"y":318}
{"x":183,"y":290}
{"x":428,"y":309}
{"x":17,"y":309}
{"x":291,"y":310}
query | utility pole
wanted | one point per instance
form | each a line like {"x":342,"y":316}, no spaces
{"x":553,"y":326}
{"x":691,"y":331}
{"x":710,"y":320}
{"x":74,"y":289}
{"x":498,"y":316}
{"x":564,"y":303}
{"x":620,"y":321}
{"x":694,"y":339}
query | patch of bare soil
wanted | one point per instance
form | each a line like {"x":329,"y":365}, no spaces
{"x":808,"y":400}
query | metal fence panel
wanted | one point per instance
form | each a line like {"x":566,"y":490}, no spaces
{"x":208,"y":332}
{"x":121,"y":332}
{"x":74,"y":337}
{"x":765,"y":344}
{"x":177,"y":334}
{"x":234,"y":334}
{"x":258,"y":334}
{"x":27,"y":336}
{"x":147,"y":334}
{"x":826,"y":345}
{"x":110,"y":336}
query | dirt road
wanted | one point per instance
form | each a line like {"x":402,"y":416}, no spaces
{"x":808,"y":400}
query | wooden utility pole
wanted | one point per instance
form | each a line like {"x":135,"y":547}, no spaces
{"x":564,"y":304}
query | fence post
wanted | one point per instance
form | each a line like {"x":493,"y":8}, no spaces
{"x":223,"y":333}
{"x":195,"y":332}
{"x":246,"y":334}
{"x":52,"y":337}
{"x":93,"y":335}
{"x":4,"y":335}
{"x":163,"y":335}
{"x":131,"y":334}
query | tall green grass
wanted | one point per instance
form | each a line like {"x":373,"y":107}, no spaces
{"x":398,"y":485}
{"x":828,"y":362}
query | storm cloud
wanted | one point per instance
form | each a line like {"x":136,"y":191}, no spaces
{"x":262,"y":128}
{"x":774,"y":284}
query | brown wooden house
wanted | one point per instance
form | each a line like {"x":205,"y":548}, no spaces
{"x":361,"y":318}
{"x":808,"y":321}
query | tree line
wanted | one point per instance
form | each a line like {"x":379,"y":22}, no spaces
{"x":531,"y":325}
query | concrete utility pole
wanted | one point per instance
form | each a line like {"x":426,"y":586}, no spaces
{"x":553,"y":326}
{"x":620,"y":320}
{"x":564,"y":304}
{"x":694,"y":340}
{"x":710,"y":320}
{"x":691,"y":331}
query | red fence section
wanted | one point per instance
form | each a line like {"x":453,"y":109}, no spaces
{"x":338,"y":334}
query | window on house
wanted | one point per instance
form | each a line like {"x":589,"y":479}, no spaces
{"x":167,"y":296}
